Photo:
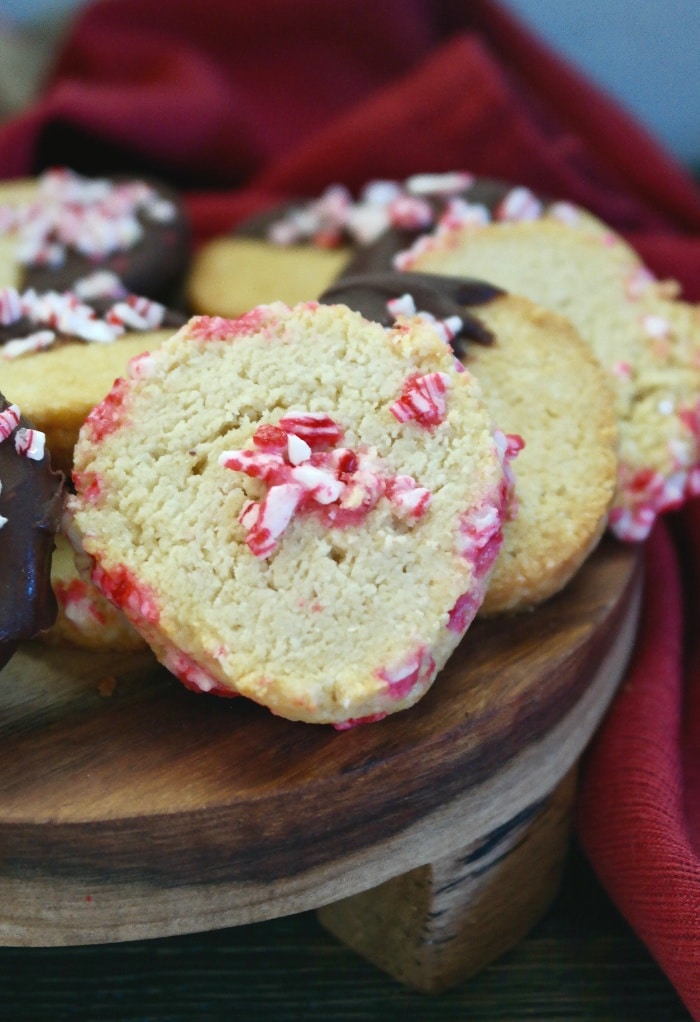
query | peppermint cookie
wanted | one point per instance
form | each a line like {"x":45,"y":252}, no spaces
{"x":58,"y":229}
{"x":299,"y":506}
{"x":541,"y":382}
{"x":85,"y":618}
{"x":295,"y":250}
{"x":59,"y":355}
{"x":31,"y":496}
{"x":646,"y":339}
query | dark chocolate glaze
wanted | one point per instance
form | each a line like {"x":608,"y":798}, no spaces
{"x":441,"y":296}
{"x":31,"y":499}
{"x":155,"y":266}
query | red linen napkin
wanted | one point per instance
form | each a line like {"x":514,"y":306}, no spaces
{"x":241,"y":104}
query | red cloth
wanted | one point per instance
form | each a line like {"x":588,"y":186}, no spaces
{"x":240,"y":103}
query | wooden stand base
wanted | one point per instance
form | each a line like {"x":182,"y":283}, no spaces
{"x":430,"y":842}
{"x":439,"y":924}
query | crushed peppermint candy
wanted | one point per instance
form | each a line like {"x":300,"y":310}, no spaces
{"x":334,"y":216}
{"x":307,"y":472}
{"x":94,"y":217}
{"x":519,"y":204}
{"x":448,"y":328}
{"x":31,"y":443}
{"x":28,"y":443}
{"x":9,"y":421}
{"x":64,"y":313}
{"x":100,"y":284}
{"x":423,"y":399}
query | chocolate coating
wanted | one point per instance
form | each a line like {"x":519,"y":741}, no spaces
{"x":154,"y":266}
{"x":441,"y":296}
{"x":31,"y":499}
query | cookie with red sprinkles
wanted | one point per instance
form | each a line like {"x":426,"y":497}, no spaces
{"x":299,"y":506}
{"x":31,"y":497}
{"x":646,"y":338}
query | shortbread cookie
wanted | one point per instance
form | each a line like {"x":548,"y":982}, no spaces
{"x":646,"y":339}
{"x":31,"y":496}
{"x":60,"y":228}
{"x":541,"y":382}
{"x":294,"y":251}
{"x":299,"y":506}
{"x":232,"y":274}
{"x":85,"y":617}
{"x":59,"y":356}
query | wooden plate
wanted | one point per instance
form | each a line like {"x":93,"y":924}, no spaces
{"x":131,"y":808}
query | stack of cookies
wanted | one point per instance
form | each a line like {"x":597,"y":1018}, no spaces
{"x":387,"y":416}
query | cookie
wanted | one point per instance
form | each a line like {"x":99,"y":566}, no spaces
{"x":61,"y":227}
{"x":84,"y":618}
{"x":541,"y":382}
{"x":298,"y":506}
{"x":646,"y":339}
{"x":59,"y":356}
{"x":31,"y":496}
{"x":294,"y":251}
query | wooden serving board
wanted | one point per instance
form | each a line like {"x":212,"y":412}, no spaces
{"x":132,"y":808}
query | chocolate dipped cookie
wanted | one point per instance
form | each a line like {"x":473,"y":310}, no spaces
{"x":31,"y":496}
{"x":61,"y":228}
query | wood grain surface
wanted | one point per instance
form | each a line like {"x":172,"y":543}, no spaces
{"x":581,"y":963}
{"x":132,"y":808}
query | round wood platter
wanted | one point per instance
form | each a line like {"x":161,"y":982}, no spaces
{"x":132,"y":808}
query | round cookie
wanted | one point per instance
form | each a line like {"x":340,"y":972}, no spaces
{"x":86,"y":350}
{"x":646,"y":339}
{"x":85,"y":618}
{"x":31,"y":496}
{"x":61,"y":227}
{"x":541,"y":382}
{"x":298,"y":506}
{"x":294,"y":251}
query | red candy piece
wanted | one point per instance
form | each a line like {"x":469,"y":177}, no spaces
{"x":316,"y":428}
{"x":270,"y":438}
{"x":340,"y":485}
{"x":423,"y":398}
{"x":123,"y":589}
{"x":106,"y":417}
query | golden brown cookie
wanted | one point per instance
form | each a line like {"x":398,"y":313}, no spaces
{"x":646,"y":339}
{"x":297,"y":506}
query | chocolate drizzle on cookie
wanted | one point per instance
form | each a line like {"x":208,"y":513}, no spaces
{"x":31,"y":496}
{"x":440,"y":296}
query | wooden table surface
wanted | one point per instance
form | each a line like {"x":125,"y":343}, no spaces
{"x":582,"y":962}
